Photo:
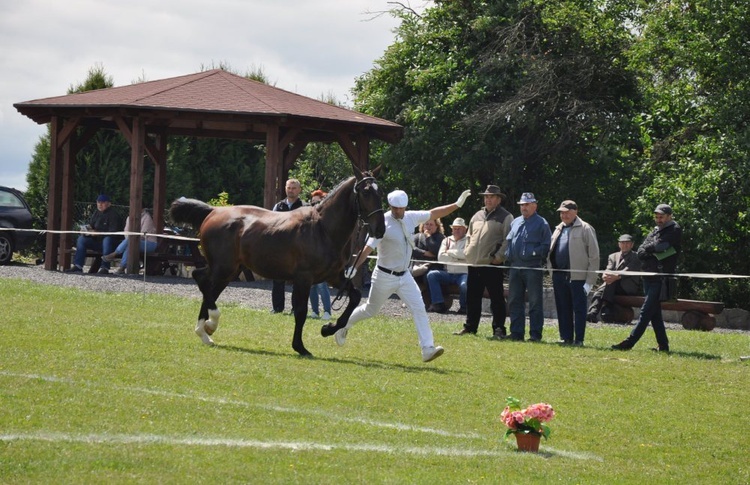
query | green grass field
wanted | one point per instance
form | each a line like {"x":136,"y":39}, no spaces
{"x":115,"y":388}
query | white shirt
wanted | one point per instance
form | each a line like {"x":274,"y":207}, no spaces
{"x":394,"y":251}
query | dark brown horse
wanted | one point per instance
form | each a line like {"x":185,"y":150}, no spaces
{"x":306,"y":246}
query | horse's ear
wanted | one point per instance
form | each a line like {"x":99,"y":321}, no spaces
{"x":357,"y":172}
{"x":376,"y":170}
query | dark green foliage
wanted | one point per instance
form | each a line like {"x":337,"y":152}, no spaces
{"x":518,"y":94}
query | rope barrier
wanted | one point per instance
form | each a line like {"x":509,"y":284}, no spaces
{"x":627,"y":273}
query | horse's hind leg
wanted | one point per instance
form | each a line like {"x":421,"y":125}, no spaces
{"x":201,"y":277}
{"x":211,"y":284}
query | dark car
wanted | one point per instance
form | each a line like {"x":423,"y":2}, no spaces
{"x":14,"y":213}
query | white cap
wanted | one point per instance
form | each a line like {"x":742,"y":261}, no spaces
{"x":398,"y":198}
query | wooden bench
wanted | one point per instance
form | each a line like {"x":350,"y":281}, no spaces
{"x":170,"y":254}
{"x":698,"y":315}
{"x":167,"y":257}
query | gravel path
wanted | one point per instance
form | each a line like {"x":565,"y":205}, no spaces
{"x":256,"y":294}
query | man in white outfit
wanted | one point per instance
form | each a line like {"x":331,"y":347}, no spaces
{"x":392,"y":273}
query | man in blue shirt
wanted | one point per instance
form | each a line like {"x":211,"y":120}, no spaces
{"x":528,"y":244}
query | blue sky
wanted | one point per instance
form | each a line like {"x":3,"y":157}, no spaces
{"x":313,"y":48}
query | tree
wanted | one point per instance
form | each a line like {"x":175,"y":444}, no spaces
{"x":523,"y":94}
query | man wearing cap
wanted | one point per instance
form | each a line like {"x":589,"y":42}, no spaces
{"x":526,"y":254}
{"x":485,"y":252}
{"x":574,"y":259}
{"x":616,"y":283}
{"x":451,"y":251}
{"x":105,"y":219}
{"x":392,"y":275}
{"x":658,"y":254}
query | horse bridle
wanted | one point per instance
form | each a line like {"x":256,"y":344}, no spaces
{"x":374,"y":184}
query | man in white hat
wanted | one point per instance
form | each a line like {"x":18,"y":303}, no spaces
{"x":392,"y":275}
{"x":451,"y":251}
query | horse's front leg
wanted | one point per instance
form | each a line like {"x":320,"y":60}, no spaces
{"x":355,"y":296}
{"x":300,"y":295}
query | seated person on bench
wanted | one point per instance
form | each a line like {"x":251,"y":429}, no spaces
{"x":451,"y":251}
{"x":148,"y":243}
{"x":614,"y":284}
{"x":105,"y":219}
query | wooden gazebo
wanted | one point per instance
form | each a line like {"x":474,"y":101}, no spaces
{"x":214,"y":104}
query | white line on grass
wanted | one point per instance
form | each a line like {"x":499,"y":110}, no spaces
{"x":240,"y":443}
{"x":232,"y":402}
{"x":146,"y":439}
{"x":149,"y":439}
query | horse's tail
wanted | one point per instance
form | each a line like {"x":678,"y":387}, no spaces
{"x":189,"y":211}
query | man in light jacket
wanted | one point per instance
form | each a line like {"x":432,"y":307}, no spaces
{"x":574,"y":259}
{"x":485,"y":252}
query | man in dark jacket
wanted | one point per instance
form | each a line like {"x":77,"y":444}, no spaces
{"x":658,"y":254}
{"x":292,"y":201}
{"x":104,"y":220}
{"x":615,"y":283}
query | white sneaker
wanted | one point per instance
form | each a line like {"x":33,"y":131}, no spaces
{"x":431,"y":353}
{"x":326,"y":316}
{"x":314,"y":316}
{"x":340,"y":336}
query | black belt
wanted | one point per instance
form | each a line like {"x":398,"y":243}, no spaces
{"x":394,"y":273}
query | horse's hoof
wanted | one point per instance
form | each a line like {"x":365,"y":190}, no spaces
{"x":301,"y":350}
{"x":205,"y":338}
{"x":200,"y":331}
{"x":328,"y":330}
{"x":213,"y":321}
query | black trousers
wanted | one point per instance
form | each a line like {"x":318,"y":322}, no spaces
{"x":479,"y":279}
{"x":278,"y":295}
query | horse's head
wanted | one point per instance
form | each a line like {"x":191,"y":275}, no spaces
{"x":369,"y":199}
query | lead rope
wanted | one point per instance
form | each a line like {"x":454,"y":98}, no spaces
{"x":352,"y":247}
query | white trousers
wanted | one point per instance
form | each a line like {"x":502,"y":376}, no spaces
{"x":382,"y":286}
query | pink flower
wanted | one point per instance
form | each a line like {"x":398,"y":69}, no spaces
{"x":507,"y":418}
{"x":542,"y":411}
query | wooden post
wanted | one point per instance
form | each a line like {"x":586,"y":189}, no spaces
{"x":273,"y":163}
{"x":137,"y":147}
{"x":55,"y":197}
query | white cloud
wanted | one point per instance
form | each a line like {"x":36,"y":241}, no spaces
{"x":312,"y":48}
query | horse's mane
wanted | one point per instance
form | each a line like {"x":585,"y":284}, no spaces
{"x":337,"y":189}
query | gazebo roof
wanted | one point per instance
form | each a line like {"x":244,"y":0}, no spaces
{"x":211,"y":103}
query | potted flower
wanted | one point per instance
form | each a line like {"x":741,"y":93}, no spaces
{"x":528,"y":425}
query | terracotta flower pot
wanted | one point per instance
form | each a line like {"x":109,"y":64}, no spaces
{"x":528,"y":442}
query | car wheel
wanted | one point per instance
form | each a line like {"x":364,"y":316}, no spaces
{"x":6,"y":248}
